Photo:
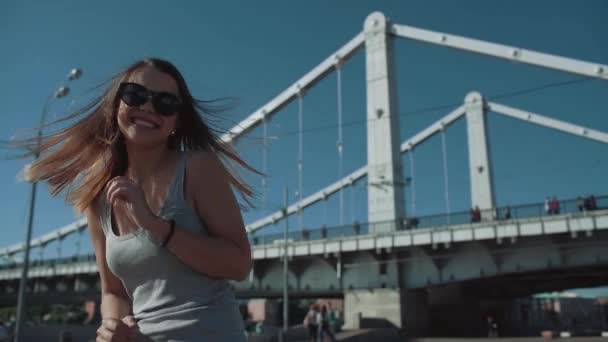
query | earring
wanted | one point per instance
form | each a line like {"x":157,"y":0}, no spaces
{"x":172,"y":132}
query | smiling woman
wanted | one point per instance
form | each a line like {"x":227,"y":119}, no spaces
{"x":165,"y":224}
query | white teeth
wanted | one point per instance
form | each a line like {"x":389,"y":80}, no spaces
{"x":144,"y":123}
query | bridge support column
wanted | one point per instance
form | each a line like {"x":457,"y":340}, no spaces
{"x":387,"y":308}
{"x":482,"y":192}
{"x":385,"y":178}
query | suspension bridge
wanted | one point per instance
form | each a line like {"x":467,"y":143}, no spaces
{"x":396,"y":266}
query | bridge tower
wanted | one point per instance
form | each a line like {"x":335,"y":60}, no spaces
{"x":399,"y":306}
{"x":385,"y":179}
{"x":482,"y":191}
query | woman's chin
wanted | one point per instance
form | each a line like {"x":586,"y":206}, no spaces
{"x":140,"y":139}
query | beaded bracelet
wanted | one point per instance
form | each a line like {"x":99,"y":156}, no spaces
{"x":171,"y":231}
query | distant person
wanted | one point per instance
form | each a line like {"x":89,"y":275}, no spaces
{"x":477,"y":214}
{"x":547,"y":206}
{"x":168,"y":234}
{"x":324,"y":328}
{"x":581,"y":203}
{"x":492,"y":327}
{"x":592,"y":203}
{"x":333,"y":317}
{"x":507,"y":214}
{"x":310,"y":322}
{"x":555,"y":206}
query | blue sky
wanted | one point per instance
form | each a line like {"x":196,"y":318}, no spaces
{"x":253,"y":50}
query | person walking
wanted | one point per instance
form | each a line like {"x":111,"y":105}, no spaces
{"x":477,"y":214}
{"x":310,"y":322}
{"x":324,"y":328}
{"x":592,"y":203}
{"x":507,"y":214}
{"x":555,"y":206}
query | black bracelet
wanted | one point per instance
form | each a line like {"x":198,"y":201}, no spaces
{"x":171,"y":231}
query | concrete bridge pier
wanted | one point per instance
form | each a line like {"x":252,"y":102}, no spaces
{"x":406,"y":309}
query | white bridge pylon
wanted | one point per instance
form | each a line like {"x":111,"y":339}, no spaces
{"x":331,"y":63}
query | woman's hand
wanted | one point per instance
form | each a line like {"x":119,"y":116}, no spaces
{"x":113,"y":330}
{"x":123,"y":189}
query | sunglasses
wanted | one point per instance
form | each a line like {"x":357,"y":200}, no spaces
{"x":135,"y":95}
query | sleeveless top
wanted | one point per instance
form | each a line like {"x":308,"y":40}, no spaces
{"x":171,"y":301}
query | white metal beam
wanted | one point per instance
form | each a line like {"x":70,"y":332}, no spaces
{"x":309,"y":200}
{"x":306,"y":81}
{"x":435,"y":127}
{"x":549,"y":122}
{"x":56,"y":234}
{"x":511,"y":53}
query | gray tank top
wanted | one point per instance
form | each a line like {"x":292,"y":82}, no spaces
{"x":171,"y":301}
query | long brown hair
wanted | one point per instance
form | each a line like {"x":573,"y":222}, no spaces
{"x":83,"y":157}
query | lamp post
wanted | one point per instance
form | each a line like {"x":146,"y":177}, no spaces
{"x":60,"y":92}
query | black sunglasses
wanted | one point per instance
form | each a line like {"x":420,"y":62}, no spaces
{"x":134,"y":95}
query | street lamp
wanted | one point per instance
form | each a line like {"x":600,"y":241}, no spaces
{"x":60,"y":92}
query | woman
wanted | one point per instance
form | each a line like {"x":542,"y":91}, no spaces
{"x":166,"y":228}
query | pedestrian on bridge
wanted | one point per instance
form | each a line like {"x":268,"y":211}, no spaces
{"x":507,"y":214}
{"x":581,"y":204}
{"x":555,"y":208}
{"x":150,"y":174}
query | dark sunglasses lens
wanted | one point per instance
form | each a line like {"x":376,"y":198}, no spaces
{"x":134,"y":95}
{"x":166,"y":104}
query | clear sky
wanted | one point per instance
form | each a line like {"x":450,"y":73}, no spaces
{"x":252,"y":50}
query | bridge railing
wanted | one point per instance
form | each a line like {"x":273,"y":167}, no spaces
{"x":51,"y":262}
{"x":570,"y":206}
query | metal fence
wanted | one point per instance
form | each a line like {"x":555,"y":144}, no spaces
{"x":571,"y":206}
{"x":576,"y":206}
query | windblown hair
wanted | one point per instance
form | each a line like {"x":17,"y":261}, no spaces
{"x":82,"y":158}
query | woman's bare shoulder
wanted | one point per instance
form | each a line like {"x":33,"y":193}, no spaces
{"x":204,"y":162}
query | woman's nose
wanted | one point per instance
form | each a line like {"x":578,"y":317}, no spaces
{"x":148,"y":107}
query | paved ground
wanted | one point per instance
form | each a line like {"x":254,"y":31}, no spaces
{"x":510,"y":339}
{"x":365,"y":336}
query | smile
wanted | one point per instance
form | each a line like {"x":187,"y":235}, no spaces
{"x":144,"y":123}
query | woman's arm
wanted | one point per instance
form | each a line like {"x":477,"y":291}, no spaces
{"x":115,"y":302}
{"x":226,"y":252}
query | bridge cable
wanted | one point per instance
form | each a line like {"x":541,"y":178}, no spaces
{"x":445,"y":174}
{"x":264,"y":163}
{"x":352,"y":202}
{"x":325,"y":212}
{"x":340,"y":138}
{"x":300,"y":156}
{"x":59,"y":243}
{"x":412,"y":181}
{"x":41,"y":253}
{"x":78,"y":242}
